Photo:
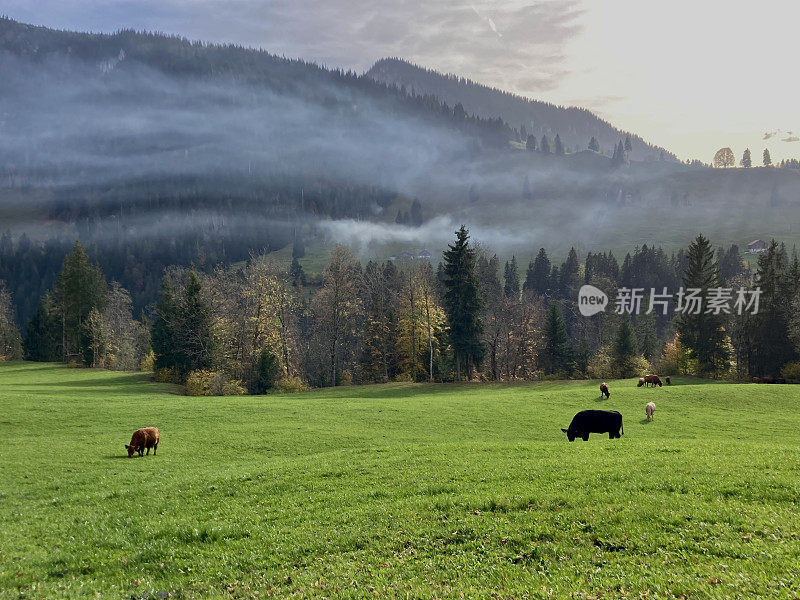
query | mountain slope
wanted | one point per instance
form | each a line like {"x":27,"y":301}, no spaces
{"x":576,"y":126}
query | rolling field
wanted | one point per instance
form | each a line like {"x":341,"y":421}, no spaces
{"x":409,"y":491}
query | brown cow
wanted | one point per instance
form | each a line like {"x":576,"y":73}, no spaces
{"x":146,"y":437}
{"x":653,"y":380}
{"x":604,"y":390}
{"x":668,"y":380}
{"x":641,"y":382}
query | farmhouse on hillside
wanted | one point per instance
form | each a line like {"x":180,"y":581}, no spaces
{"x":757,"y":247}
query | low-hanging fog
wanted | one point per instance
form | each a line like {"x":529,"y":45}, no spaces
{"x":70,"y":127}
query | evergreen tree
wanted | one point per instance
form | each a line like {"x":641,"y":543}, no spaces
{"x":80,"y":287}
{"x":747,"y":161}
{"x":511,"y":274}
{"x":628,"y":144}
{"x":594,"y":145}
{"x":530,"y":143}
{"x":43,"y":332}
{"x":463,"y":304}
{"x":556,"y":356}
{"x":767,"y":158}
{"x":769,"y":333}
{"x":646,"y":334}
{"x":624,"y":351}
{"x":703,"y":333}
{"x":523,"y":133}
{"x":537,"y":278}
{"x":416,"y":213}
{"x":199,"y":343}
{"x":268,"y":370}
{"x":544,"y":145}
{"x":559,"y":147}
{"x":569,"y":279}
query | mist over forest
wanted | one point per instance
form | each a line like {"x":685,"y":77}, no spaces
{"x":154,"y":150}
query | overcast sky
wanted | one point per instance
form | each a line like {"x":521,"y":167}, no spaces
{"x":691,"y":75}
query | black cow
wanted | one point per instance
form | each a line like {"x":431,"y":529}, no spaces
{"x":595,"y":421}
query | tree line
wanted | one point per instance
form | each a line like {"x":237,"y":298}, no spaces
{"x":257,"y":326}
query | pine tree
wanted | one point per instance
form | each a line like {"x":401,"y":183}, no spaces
{"x":767,"y":158}
{"x":462,"y":304}
{"x":523,"y":133}
{"x":544,"y":145}
{"x":624,"y":351}
{"x":43,"y":332}
{"x":199,"y":343}
{"x":628,"y":144}
{"x":569,"y":279}
{"x":747,"y":161}
{"x":80,"y":287}
{"x":594,"y":145}
{"x":556,"y":356}
{"x":559,"y":147}
{"x":511,"y":276}
{"x":416,"y":213}
{"x":537,"y":278}
{"x":703,"y":334}
{"x":769,"y":333}
{"x":530,"y":143}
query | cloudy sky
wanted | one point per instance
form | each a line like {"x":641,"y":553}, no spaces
{"x":691,"y":75}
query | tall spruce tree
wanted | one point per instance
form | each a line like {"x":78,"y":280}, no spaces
{"x":556,"y":356}
{"x":767,"y":158}
{"x":80,"y":287}
{"x":594,"y":145}
{"x":537,"y":279}
{"x":703,"y":333}
{"x":511,"y":287}
{"x":624,"y":350}
{"x":769,"y":333}
{"x":463,"y":305}
{"x":544,"y":145}
{"x":559,"y":146}
{"x":747,"y":160}
{"x":43,"y":332}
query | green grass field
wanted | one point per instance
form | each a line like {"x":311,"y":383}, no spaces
{"x":402,"y":490}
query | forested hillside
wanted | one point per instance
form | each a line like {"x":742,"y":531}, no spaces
{"x":575,"y":126}
{"x":155,"y":151}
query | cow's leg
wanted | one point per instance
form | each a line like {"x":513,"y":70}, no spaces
{"x":586,"y":438}
{"x":155,"y":448}
{"x":148,"y":451}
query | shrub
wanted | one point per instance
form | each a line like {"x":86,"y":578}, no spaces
{"x":290,"y":385}
{"x":165,"y":375}
{"x":198,"y":383}
{"x":148,"y":362}
{"x":791,"y":372}
{"x":212,"y":383}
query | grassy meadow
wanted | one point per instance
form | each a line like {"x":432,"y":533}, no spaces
{"x":401,"y":490}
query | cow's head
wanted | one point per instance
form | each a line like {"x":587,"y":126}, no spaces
{"x":131,"y":450}
{"x":570,"y":435}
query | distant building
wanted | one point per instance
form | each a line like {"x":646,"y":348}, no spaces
{"x":757,"y":247}
{"x":424,"y":254}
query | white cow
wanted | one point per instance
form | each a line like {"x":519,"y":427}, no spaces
{"x":649,"y":409}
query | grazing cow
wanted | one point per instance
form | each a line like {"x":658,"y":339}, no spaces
{"x":653,"y":380}
{"x":668,"y":380}
{"x":146,"y":437}
{"x":641,"y":382}
{"x":604,"y":390}
{"x":594,"y":421}
{"x":649,"y":409}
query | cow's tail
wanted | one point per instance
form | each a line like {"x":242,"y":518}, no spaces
{"x":621,"y":428}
